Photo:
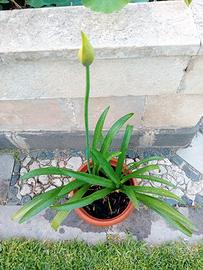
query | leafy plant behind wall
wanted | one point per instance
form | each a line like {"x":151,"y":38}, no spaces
{"x":106,"y":6}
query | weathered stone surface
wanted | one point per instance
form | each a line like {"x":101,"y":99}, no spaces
{"x":36,"y":115}
{"x":193,"y":154}
{"x":163,"y":77}
{"x":197,"y":10}
{"x":156,"y":25}
{"x":173,"y":110}
{"x":5,"y":143}
{"x":6,"y":166}
{"x":192,"y":82}
{"x":119,"y":106}
{"x":48,"y":50}
{"x":6,"y":169}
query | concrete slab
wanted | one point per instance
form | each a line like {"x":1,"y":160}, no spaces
{"x":6,"y":169}
{"x":143,"y":225}
{"x":194,"y":153}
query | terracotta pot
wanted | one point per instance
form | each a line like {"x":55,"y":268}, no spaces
{"x":105,"y":222}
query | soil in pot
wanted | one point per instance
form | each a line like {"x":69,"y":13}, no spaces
{"x":109,"y":207}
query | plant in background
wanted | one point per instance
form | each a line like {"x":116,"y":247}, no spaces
{"x":106,"y":6}
{"x":105,"y":186}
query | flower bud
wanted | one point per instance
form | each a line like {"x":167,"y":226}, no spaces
{"x":86,"y":52}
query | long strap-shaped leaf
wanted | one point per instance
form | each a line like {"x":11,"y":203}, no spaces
{"x":140,"y":171}
{"x":98,"y":129}
{"x":156,"y":191}
{"x":113,"y":131}
{"x":85,"y":177}
{"x":35,"y":201}
{"x":84,"y":201}
{"x":167,"y":212}
{"x":106,"y":167}
{"x":131,"y":195}
{"x":123,"y":149}
{"x":98,"y":136}
{"x":62,"y":215}
{"x":134,"y":165}
{"x":45,"y":199}
{"x":148,"y":177}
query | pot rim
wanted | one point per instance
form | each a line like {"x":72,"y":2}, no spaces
{"x":111,"y":221}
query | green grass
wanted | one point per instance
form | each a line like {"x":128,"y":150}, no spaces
{"x":118,"y":255}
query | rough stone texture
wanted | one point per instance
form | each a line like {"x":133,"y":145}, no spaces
{"x":193,"y":155}
{"x":119,"y":106}
{"x":157,"y":57}
{"x":160,"y":28}
{"x":6,"y":166}
{"x":66,"y":114}
{"x":6,"y":169}
{"x":47,"y":55}
{"x":141,"y":138}
{"x":36,"y":115}
{"x":65,"y":79}
{"x":197,"y":10}
{"x":4,"y":142}
{"x":173,"y":110}
{"x":192,"y":82}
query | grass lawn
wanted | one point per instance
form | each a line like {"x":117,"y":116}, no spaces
{"x":124,"y":255}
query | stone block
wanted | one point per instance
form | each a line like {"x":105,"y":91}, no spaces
{"x":197,"y":10}
{"x":110,"y":77}
{"x":4,"y":142}
{"x":19,"y":115}
{"x":192,"y":82}
{"x":150,"y":28}
{"x":173,"y":111}
{"x":6,"y":169}
{"x":119,"y":106}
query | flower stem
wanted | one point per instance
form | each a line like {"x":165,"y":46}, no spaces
{"x":86,"y":118}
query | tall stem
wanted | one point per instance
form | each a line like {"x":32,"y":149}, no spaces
{"x":86,"y":118}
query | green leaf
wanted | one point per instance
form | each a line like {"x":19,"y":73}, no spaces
{"x":140,"y":172}
{"x":98,"y":129}
{"x":44,"y":200}
{"x":4,"y":1}
{"x":113,"y":131}
{"x":113,"y":155}
{"x":84,"y":201}
{"x":188,"y":2}
{"x":109,"y":157}
{"x":106,"y":6}
{"x":167,"y":212}
{"x":34,"y":203}
{"x":134,"y":165}
{"x":73,"y":185}
{"x":157,"y":191}
{"x":131,"y":195}
{"x":48,"y":3}
{"x":85,"y":177}
{"x":124,"y":149}
{"x":106,"y":167}
{"x":62,"y":215}
{"x":151,"y":178}
{"x":98,"y":136}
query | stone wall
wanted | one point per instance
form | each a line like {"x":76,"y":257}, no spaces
{"x":149,"y":60}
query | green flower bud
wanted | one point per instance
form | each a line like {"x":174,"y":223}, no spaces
{"x":86,"y":52}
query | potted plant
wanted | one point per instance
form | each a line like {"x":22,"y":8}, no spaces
{"x":104,"y":190}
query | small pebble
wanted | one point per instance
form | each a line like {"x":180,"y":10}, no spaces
{"x":43,"y":179}
{"x":25,"y":190}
